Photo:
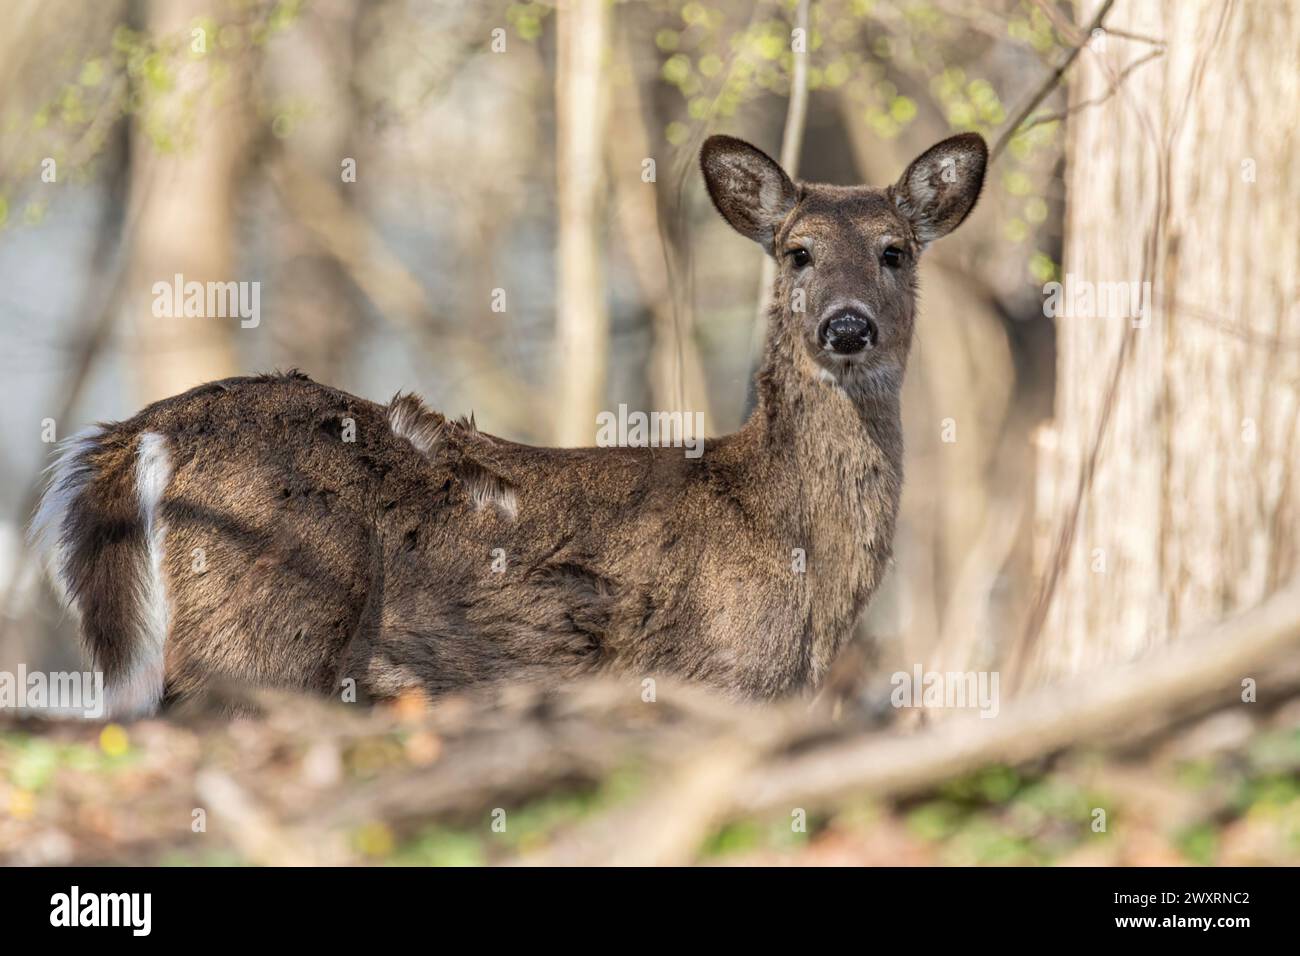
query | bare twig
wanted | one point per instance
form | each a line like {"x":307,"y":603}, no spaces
{"x":791,"y":146}
{"x":673,"y":220}
{"x":1045,"y":118}
{"x":1048,"y":85}
{"x":675,"y":373}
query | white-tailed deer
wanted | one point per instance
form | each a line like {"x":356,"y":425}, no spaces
{"x":276,"y":531}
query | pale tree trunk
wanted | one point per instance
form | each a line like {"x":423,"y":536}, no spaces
{"x":676,"y":372}
{"x":316,"y":315}
{"x":582,"y":319}
{"x":183,"y":198}
{"x":1185,"y":178}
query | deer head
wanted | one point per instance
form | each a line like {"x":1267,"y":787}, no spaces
{"x":846,"y":256}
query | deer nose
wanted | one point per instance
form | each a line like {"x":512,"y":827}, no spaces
{"x":848,"y":333}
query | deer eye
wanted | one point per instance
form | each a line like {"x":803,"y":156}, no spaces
{"x":800,"y":257}
{"x":892,"y":257}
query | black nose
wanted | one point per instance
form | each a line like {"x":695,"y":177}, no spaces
{"x":848,"y":333}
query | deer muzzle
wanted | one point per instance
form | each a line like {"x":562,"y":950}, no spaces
{"x":848,"y":332}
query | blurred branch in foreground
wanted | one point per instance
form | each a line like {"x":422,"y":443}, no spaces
{"x":308,"y":772}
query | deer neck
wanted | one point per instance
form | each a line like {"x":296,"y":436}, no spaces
{"x":808,"y":419}
{"x":833,"y":453}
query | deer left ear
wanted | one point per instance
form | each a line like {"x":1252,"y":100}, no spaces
{"x":939,"y":189}
{"x":748,"y":187}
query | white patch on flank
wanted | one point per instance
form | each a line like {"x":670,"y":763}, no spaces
{"x":69,"y":474}
{"x":140,"y":691}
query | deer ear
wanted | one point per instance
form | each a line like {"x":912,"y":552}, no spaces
{"x":748,"y":187}
{"x":939,"y":189}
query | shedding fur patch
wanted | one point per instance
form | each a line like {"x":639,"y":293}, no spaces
{"x":486,"y":489}
{"x":426,"y":430}
{"x":410,"y":419}
{"x":140,"y":690}
{"x":467,"y":425}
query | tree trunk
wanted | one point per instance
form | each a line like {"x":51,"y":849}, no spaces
{"x":1169,"y":492}
{"x":184,"y":196}
{"x":316,"y":312}
{"x":582,"y":319}
{"x":675,"y":372}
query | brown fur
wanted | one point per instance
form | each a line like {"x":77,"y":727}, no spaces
{"x":374,"y":559}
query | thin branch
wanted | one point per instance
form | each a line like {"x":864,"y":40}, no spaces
{"x":1045,"y":118}
{"x":791,"y":146}
{"x":1071,"y":32}
{"x":673,"y":219}
{"x":1049,"y":84}
{"x":797,"y":108}
{"x":1137,"y":37}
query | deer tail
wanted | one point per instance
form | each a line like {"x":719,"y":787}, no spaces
{"x":99,"y":527}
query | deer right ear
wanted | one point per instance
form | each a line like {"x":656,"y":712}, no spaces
{"x":748,"y":187}
{"x":939,"y":189}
